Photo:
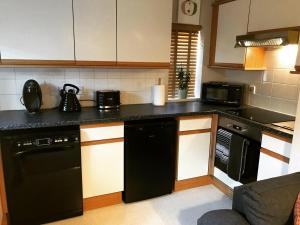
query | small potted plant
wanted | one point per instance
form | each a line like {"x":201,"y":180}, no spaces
{"x":184,"y":77}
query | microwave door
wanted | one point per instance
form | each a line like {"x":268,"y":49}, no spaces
{"x":217,"y":94}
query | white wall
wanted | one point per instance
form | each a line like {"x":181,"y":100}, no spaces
{"x":294,"y":165}
{"x":134,"y":84}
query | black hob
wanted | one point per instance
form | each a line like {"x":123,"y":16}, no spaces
{"x":261,"y":115}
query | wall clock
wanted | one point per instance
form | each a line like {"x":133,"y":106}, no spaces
{"x":189,"y":11}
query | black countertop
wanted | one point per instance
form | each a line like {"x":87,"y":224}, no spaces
{"x":20,"y":119}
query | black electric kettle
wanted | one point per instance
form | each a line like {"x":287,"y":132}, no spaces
{"x":69,"y":101}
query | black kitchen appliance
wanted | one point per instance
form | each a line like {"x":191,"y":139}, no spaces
{"x":222,"y":93}
{"x":238,"y":149}
{"x":42,"y":171}
{"x":150,"y":149}
{"x":108,"y":99}
{"x":32,"y":96}
{"x":69,"y":101}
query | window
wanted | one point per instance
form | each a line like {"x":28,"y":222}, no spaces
{"x":184,"y":46}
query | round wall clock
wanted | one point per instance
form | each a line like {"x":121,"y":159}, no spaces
{"x":189,"y":7}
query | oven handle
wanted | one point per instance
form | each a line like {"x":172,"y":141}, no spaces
{"x":245,"y":150}
{"x":44,"y":150}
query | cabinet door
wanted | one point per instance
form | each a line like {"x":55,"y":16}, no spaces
{"x":102,"y":169}
{"x":271,"y":167}
{"x":232,"y":21}
{"x":36,"y":30}
{"x":273,"y":14}
{"x":144,"y":30}
{"x":193,"y":155}
{"x":95,"y":30}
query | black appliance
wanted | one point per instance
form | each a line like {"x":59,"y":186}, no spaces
{"x":32,"y":96}
{"x":150,"y":149}
{"x":108,"y":99}
{"x":238,"y":150}
{"x":42,"y":171}
{"x":69,"y":101}
{"x":223,"y":93}
{"x":261,"y":115}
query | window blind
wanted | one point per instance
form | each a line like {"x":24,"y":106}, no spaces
{"x":184,"y":46}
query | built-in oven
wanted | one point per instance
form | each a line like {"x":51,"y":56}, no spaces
{"x":42,"y":171}
{"x":223,"y":93}
{"x":237,"y":150}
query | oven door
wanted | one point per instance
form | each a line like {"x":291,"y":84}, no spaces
{"x":237,"y":156}
{"x":43,"y":184}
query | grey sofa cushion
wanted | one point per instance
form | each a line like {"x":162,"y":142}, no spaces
{"x":268,"y":202}
{"x":222,"y":217}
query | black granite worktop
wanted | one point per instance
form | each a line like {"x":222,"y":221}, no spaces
{"x":21,"y":119}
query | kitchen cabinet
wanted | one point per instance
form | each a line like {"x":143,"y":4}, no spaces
{"x":102,"y":154}
{"x":270,"y":14}
{"x":225,"y":28}
{"x":36,"y":31}
{"x":144,"y":32}
{"x":225,"y":179}
{"x":95,"y":31}
{"x":193,"y":147}
{"x":97,"y":160}
{"x":193,"y":155}
{"x":274,"y":157}
{"x":297,"y":66}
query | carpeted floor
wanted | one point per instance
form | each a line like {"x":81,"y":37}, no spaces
{"x":181,"y":208}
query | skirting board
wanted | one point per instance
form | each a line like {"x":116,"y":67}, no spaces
{"x":102,"y":201}
{"x":222,"y":187}
{"x":192,"y":183}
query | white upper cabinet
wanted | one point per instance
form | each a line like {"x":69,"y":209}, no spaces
{"x":95,"y":30}
{"x":36,"y":29}
{"x":232,"y":21}
{"x":273,"y":14}
{"x":144,"y":30}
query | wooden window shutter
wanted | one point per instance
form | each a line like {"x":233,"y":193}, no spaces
{"x":184,"y":45}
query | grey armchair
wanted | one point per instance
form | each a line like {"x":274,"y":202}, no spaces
{"x":267,"y":202}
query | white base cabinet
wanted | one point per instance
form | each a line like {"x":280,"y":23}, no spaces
{"x":270,"y":167}
{"x":274,"y":157}
{"x":193,"y":155}
{"x":102,"y":169}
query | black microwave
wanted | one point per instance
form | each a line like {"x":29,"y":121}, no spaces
{"x":223,"y":93}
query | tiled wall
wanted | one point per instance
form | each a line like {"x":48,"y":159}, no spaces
{"x":134,"y":84}
{"x":276,"y":88}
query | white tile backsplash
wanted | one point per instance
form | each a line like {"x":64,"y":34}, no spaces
{"x":135,"y":84}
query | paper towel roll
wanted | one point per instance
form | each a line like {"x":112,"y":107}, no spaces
{"x":158,"y":95}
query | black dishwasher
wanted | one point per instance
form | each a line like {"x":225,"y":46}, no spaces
{"x":150,"y":149}
{"x":42,"y":171}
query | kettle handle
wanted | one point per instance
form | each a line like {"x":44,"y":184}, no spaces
{"x":73,"y":86}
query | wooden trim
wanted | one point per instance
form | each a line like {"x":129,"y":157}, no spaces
{"x":213,"y":140}
{"x":194,"y":117}
{"x":297,"y":28}
{"x":289,"y":140}
{"x":220,"y":2}
{"x":97,"y":125}
{"x":275,"y":155}
{"x":234,"y":66}
{"x":213,"y":34}
{"x":96,"y":63}
{"x":101,"y":142}
{"x":7,"y":63}
{"x":102,"y":201}
{"x":158,"y":65}
{"x":2,"y":188}
{"x":186,"y":27}
{"x":4,"y":219}
{"x":192,"y":183}
{"x":188,"y":132}
{"x":22,"y":62}
{"x":222,"y":187}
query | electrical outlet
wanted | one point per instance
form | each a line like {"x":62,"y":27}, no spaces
{"x":252,"y":89}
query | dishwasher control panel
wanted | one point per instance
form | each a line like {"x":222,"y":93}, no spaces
{"x":46,"y":141}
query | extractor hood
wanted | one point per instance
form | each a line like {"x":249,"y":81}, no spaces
{"x":267,"y":39}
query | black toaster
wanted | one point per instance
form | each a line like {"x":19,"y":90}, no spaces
{"x":108,"y":99}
